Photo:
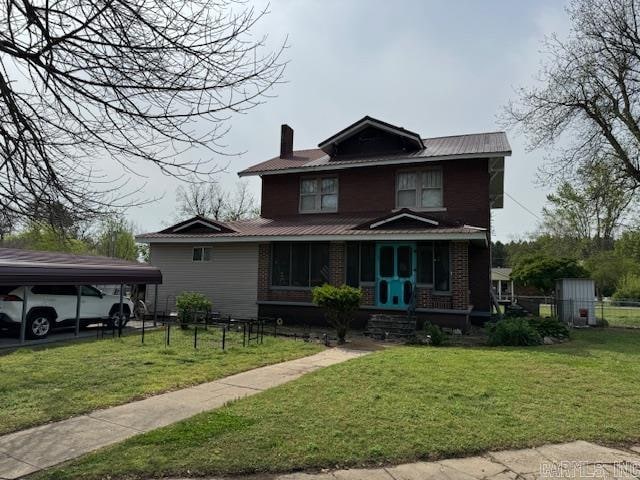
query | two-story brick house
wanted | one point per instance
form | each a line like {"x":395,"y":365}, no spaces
{"x":405,"y":218}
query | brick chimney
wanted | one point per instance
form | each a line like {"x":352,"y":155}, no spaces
{"x":286,"y":141}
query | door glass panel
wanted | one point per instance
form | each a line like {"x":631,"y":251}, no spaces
{"x":384,"y":291}
{"x":386,"y":261}
{"x":405,"y":264}
{"x":407,"y":292}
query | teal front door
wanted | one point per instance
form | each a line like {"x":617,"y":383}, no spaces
{"x":395,"y":274}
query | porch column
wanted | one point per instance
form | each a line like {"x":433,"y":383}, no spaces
{"x":336,"y":263}
{"x":499,"y":289}
{"x":264,"y":253}
{"x":459,"y":251}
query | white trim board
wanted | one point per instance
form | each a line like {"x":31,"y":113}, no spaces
{"x":403,"y":215}
{"x":201,"y":222}
{"x":315,"y":238}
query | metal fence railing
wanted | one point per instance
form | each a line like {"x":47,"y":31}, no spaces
{"x":616,"y":312}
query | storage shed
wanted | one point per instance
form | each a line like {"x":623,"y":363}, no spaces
{"x":576,"y":301}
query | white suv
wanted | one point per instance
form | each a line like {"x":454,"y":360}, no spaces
{"x":53,"y":306}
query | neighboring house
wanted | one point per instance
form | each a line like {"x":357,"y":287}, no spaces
{"x":405,"y":218}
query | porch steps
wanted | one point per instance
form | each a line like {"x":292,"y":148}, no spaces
{"x":384,"y":326}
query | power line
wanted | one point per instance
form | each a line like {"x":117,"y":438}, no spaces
{"x":522,"y":206}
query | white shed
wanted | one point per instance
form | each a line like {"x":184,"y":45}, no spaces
{"x":576,"y":300}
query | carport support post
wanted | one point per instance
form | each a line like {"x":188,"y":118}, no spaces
{"x":120,"y":311}
{"x":23,"y":323}
{"x":78,"y":300}
{"x":155,"y":306}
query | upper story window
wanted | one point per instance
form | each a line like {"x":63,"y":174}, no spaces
{"x":201,"y":254}
{"x":419,"y":188}
{"x":319,"y":195}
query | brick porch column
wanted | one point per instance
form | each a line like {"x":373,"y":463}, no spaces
{"x":459,"y":275}
{"x":336,"y":263}
{"x":264,"y":251}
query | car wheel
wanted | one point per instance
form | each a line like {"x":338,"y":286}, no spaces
{"x":114,"y":319}
{"x":39,"y":325}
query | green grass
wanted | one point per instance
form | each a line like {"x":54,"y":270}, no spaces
{"x":399,"y":405}
{"x":616,"y":316}
{"x":45,"y":384}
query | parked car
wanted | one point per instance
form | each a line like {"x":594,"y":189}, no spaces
{"x":54,"y":306}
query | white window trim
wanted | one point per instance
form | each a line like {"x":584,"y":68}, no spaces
{"x":419,"y":188}
{"x":202,"y":259}
{"x":318,"y":194}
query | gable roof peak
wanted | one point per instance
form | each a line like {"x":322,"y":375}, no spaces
{"x":328,"y":145}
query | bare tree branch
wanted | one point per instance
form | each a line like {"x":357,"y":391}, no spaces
{"x":137,"y":82}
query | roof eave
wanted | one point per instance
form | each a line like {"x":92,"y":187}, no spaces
{"x":480,"y":235}
{"x":344,"y":166}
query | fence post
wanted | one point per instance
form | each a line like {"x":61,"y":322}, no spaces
{"x":195,"y":337}
{"x":261,"y":322}
{"x":244,"y":334}
{"x":168,"y":334}
{"x":224,"y":336}
{"x":143,"y":329}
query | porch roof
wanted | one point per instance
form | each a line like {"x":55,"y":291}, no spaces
{"x":319,"y":227}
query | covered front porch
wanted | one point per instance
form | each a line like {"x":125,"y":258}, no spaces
{"x":426,"y":278}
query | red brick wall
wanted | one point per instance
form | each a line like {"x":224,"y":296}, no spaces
{"x":372,"y":189}
{"x":459,"y":252}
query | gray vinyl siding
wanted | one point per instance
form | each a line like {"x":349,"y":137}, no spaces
{"x":229,"y":280}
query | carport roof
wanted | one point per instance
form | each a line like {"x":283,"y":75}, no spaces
{"x":29,"y":267}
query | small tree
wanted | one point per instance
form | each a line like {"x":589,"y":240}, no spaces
{"x":541,"y":271}
{"x":190,"y":303}
{"x":628,"y":288}
{"x":339,"y":303}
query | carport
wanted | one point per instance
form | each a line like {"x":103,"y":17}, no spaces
{"x":27,"y":268}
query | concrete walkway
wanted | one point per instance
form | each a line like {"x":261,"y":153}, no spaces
{"x":40,"y":447}
{"x":566,"y":460}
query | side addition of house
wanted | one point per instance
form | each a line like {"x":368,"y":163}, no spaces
{"x":405,"y":218}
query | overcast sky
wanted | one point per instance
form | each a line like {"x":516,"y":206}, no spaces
{"x":435,"y":67}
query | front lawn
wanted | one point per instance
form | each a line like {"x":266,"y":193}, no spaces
{"x":46,"y":384}
{"x":399,"y":405}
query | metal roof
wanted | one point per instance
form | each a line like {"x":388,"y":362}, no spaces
{"x":479,"y":145}
{"x":30,"y":267}
{"x":320,"y":226}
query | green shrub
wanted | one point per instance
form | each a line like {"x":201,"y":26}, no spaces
{"x":549,"y":327}
{"x":436,"y":334}
{"x":189,"y":304}
{"x":339,"y":303}
{"x":628,"y":287}
{"x":516,"y":332}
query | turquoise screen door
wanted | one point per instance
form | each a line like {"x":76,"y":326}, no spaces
{"x":395,"y":274}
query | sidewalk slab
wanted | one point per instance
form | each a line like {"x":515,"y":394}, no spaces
{"x":40,"y":447}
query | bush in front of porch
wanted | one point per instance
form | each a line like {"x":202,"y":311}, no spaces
{"x":340,"y":305}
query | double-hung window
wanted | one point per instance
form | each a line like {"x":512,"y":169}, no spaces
{"x":319,"y":195}
{"x":201,"y":254}
{"x":419,"y":188}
